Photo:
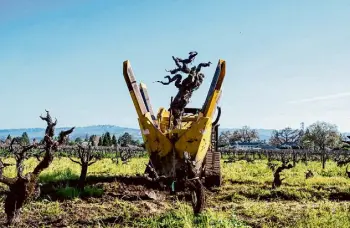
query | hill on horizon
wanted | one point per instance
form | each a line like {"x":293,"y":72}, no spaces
{"x":38,"y":133}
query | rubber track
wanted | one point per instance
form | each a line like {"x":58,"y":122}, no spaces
{"x":213,"y":169}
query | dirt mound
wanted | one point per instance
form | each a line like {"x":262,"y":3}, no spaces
{"x":120,"y":195}
{"x":132,"y":192}
{"x":137,"y":187}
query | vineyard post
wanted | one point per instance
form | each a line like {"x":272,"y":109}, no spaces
{"x":306,"y":156}
{"x":294,"y":157}
{"x":323,"y":158}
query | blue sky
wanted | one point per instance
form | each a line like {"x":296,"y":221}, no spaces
{"x":287,"y":61}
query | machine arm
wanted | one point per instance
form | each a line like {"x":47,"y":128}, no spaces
{"x":133,"y":89}
{"x":214,"y":90}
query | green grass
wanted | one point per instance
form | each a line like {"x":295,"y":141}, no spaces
{"x":258,"y":172}
{"x":72,"y":192}
{"x":181,"y":216}
{"x":245,"y":199}
{"x":65,"y":169}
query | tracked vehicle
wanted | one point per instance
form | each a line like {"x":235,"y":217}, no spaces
{"x":186,"y":155}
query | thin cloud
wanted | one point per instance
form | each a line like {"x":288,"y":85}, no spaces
{"x":321,"y":98}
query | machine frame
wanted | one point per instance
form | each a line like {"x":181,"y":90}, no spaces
{"x":185,"y":153}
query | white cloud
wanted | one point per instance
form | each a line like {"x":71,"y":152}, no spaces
{"x":321,"y":98}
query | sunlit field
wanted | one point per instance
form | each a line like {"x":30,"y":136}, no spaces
{"x":245,"y":199}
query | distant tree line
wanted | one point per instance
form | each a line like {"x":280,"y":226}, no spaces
{"x":105,"y":140}
{"x":24,"y":139}
{"x":319,"y":136}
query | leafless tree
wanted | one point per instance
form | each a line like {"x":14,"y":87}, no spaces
{"x":322,"y":135}
{"x":224,"y":138}
{"x":23,"y":188}
{"x":245,"y":134}
{"x":285,"y":136}
{"x":87,"y":158}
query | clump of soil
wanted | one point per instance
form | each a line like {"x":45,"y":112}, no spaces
{"x":135,"y":195}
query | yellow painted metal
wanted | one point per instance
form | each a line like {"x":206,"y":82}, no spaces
{"x":147,"y":147}
{"x":163,"y":119}
{"x":133,"y":89}
{"x":196,"y":139}
{"x":222,"y":74}
{"x":204,"y":144}
{"x":137,"y":107}
{"x":155,"y":140}
{"x":194,"y":135}
{"x":147,"y":102}
{"x":211,"y":104}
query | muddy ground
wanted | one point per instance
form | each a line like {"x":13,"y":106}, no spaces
{"x":132,"y":201}
{"x":114,"y":206}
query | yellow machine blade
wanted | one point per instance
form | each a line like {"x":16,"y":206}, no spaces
{"x":195,"y":133}
{"x":146,"y":100}
{"x":196,"y":139}
{"x":155,"y":141}
{"x":214,"y":92}
{"x":133,"y":89}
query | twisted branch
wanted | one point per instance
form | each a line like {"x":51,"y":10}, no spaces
{"x":20,"y":154}
{"x":50,"y":129}
{"x":177,"y":78}
{"x":3,"y":179}
{"x":277,"y":181}
{"x":50,"y":144}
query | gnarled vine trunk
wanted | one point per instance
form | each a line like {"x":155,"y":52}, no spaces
{"x":24,"y":188}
